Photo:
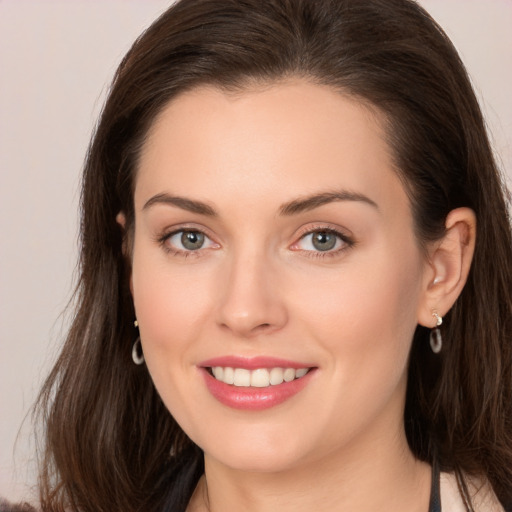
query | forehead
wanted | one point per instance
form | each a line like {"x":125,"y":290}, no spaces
{"x":275,"y":141}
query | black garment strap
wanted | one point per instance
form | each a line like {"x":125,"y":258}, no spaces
{"x":435,"y":495}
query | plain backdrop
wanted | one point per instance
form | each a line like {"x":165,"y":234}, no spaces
{"x":56,"y":60}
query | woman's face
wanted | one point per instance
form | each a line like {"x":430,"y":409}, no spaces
{"x":273,"y":238}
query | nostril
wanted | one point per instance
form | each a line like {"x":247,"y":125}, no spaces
{"x":262,"y":328}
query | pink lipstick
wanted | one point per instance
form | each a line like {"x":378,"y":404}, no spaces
{"x":254,"y":383}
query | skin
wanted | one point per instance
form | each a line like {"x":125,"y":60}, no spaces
{"x":259,"y":287}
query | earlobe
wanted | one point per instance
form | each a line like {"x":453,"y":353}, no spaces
{"x":121,"y":219}
{"x":450,"y":261}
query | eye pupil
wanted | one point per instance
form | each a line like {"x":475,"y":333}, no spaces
{"x":324,"y":241}
{"x":192,"y":240}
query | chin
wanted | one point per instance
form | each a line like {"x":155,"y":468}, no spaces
{"x":269,"y":454}
{"x":252,"y":462}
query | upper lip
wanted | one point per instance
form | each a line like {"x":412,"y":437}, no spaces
{"x":252,"y":363}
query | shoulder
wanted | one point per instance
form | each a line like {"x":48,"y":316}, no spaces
{"x":6,"y":506}
{"x":482,"y":496}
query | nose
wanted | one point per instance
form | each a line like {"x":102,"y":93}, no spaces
{"x":250,"y":302}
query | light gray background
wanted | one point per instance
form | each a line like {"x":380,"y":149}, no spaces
{"x":56,"y":60}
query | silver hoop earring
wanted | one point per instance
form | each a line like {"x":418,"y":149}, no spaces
{"x":137,"y":354}
{"x":436,"y":340}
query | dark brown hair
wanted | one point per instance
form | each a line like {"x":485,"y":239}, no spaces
{"x":110,"y":442}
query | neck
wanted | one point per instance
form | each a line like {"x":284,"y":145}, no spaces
{"x":383,"y":476}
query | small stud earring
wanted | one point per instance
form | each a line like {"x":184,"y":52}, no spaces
{"x":436,"y":340}
{"x":137,"y":354}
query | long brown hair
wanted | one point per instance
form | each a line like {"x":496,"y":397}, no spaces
{"x":110,"y":442}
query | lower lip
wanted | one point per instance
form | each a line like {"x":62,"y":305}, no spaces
{"x":254,"y":399}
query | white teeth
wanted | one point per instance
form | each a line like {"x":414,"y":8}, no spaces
{"x":276,"y":376}
{"x":260,"y":378}
{"x":218,"y":372}
{"x":289,"y":374}
{"x":242,"y":377}
{"x":301,"y":372}
{"x":229,"y":376}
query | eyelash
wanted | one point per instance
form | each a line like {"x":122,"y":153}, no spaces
{"x":347,"y":241}
{"x":165,"y":237}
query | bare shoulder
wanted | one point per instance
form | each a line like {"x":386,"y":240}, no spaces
{"x":482,"y":496}
{"x":7,"y":506}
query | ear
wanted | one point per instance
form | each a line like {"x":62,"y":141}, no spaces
{"x":121,"y":220}
{"x":448,"y":264}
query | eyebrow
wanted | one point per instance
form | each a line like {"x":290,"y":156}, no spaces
{"x":311,"y":202}
{"x":294,"y":207}
{"x":189,"y":205}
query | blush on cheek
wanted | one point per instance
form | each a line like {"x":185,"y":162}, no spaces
{"x":171,"y":307}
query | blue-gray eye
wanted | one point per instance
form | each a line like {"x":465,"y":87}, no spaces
{"x":324,"y":240}
{"x":189,"y":240}
{"x":192,"y":240}
{"x":321,"y":241}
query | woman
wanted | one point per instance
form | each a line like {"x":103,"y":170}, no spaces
{"x":295,"y":286}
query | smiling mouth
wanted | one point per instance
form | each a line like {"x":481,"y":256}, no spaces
{"x":258,"y":378}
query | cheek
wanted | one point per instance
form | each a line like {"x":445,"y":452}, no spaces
{"x":171,"y":304}
{"x":364,"y":321}
{"x":365,"y":315}
{"x":378,"y":292}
